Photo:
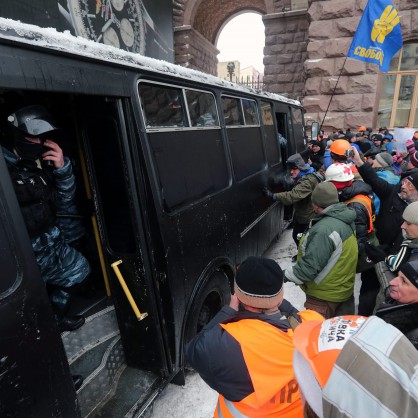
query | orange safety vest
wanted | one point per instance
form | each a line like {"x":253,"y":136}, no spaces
{"x":268,"y":354}
{"x":367,"y":203}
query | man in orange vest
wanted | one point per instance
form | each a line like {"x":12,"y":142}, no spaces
{"x":245,"y":352}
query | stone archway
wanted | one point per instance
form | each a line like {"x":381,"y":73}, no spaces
{"x":197,"y":24}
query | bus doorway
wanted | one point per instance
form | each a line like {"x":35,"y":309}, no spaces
{"x":122,"y":340}
{"x":31,"y":348}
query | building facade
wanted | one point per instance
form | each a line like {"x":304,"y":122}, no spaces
{"x":305,"y":57}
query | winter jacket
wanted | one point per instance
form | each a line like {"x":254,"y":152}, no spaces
{"x":317,"y":158}
{"x":386,"y":270}
{"x":300,"y":197}
{"x":389,"y":175}
{"x":403,"y":316}
{"x":327,"y":258}
{"x":362,"y":220}
{"x":390,"y":219}
{"x":247,"y":358}
{"x":374,"y":375}
{"x":60,"y":264}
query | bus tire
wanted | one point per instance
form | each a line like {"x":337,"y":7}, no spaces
{"x":211,"y":298}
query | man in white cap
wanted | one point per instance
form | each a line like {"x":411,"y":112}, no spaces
{"x":245,"y":352}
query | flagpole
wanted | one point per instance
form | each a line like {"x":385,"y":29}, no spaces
{"x":333,"y":92}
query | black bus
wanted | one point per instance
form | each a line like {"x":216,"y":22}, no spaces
{"x":170,"y":167}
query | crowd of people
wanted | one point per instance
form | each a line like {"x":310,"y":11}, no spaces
{"x":355,"y":200}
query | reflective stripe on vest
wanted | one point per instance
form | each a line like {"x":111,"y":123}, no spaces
{"x":367,"y":203}
{"x":227,"y":409}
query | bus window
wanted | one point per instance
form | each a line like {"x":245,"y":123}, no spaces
{"x":250,"y":112}
{"x":245,"y":139}
{"x":231,"y":108}
{"x":270,"y":134}
{"x":202,"y":109}
{"x":162,"y":106}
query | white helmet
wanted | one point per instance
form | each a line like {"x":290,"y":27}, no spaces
{"x":339,"y":172}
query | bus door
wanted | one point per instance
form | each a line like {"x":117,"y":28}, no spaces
{"x":106,"y":137}
{"x":35,"y":378}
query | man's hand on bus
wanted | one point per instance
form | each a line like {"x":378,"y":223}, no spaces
{"x":269,"y":193}
{"x":54,"y":154}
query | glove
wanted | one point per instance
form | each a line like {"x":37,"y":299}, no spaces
{"x":375,"y":254}
{"x":287,"y":308}
{"x":268,"y":193}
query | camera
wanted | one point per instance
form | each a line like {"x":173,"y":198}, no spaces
{"x":349,"y":153}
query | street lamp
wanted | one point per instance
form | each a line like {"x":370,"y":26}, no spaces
{"x":230,"y":67}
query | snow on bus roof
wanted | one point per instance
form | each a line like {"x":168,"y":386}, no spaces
{"x":65,"y":42}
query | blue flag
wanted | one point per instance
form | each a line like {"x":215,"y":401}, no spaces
{"x":378,"y":36}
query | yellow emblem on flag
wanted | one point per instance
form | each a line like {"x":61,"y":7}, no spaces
{"x":385,"y":24}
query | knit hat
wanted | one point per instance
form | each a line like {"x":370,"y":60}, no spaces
{"x":315,"y":142}
{"x":362,"y":128}
{"x":413,"y":155}
{"x":384,"y":159}
{"x":410,"y":214}
{"x":296,"y":161}
{"x":372,"y":152}
{"x":397,"y":158}
{"x":325,"y":194}
{"x":410,"y":269}
{"x":258,"y":282}
{"x":377,"y":137}
{"x":413,"y":178}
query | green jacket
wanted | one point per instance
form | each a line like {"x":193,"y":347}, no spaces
{"x":300,"y":197}
{"x":327,"y":257}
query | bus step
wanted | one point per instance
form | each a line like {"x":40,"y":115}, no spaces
{"x":95,"y":352}
{"x":133,"y":390}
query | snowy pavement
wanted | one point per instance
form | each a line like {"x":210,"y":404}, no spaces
{"x":196,"y":399}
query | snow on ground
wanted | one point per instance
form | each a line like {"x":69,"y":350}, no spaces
{"x":196,"y":399}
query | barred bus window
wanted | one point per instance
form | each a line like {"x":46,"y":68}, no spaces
{"x":270,"y":134}
{"x":202,"y":109}
{"x":250,"y":112}
{"x":232,"y":112}
{"x":162,"y":106}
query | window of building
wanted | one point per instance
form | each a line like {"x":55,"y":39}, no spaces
{"x":399,"y":90}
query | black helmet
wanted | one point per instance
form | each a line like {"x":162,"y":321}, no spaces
{"x":32,"y":120}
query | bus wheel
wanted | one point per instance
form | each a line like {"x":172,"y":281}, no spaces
{"x":210,"y":299}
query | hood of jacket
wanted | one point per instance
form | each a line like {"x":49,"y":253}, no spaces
{"x":338,"y":211}
{"x":357,"y":187}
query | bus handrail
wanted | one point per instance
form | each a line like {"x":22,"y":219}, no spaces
{"x":140,"y":316}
